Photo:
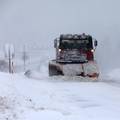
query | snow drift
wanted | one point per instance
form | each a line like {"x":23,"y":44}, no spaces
{"x":27,"y":99}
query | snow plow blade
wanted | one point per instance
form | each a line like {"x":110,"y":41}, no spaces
{"x":55,"y":69}
{"x":88,"y":69}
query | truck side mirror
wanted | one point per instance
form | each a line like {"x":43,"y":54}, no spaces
{"x":95,"y":43}
{"x":55,"y":43}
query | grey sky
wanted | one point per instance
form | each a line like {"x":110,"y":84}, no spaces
{"x":38,"y":22}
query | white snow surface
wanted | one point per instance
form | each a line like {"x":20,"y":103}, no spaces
{"x":58,"y":98}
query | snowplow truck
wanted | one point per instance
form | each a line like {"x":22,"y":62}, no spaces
{"x":74,"y":56}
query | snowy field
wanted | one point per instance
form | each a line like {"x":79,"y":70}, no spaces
{"x":44,"y":98}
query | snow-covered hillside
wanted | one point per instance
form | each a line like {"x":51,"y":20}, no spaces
{"x":56,"y":99}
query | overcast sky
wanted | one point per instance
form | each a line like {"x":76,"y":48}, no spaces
{"x":38,"y":22}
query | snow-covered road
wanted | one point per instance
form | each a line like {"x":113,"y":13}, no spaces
{"x":49,"y":99}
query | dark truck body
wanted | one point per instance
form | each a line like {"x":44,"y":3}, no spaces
{"x":73,"y":51}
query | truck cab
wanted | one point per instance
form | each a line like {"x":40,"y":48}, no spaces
{"x":75,"y":48}
{"x":74,"y":56}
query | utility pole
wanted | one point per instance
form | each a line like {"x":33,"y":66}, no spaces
{"x":9,"y":54}
{"x":24,"y":60}
{"x":24,"y":57}
{"x":10,"y":67}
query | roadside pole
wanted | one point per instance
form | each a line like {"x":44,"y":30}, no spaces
{"x":9,"y":54}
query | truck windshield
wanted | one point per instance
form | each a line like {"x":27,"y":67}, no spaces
{"x":75,"y":44}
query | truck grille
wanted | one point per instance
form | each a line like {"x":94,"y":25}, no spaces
{"x":74,"y":56}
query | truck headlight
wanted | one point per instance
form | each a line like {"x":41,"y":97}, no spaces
{"x":59,"y":50}
{"x":92,"y":50}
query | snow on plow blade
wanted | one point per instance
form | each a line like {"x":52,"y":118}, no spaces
{"x":88,"y":69}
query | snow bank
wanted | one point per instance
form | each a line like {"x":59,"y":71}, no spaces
{"x":8,"y":99}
